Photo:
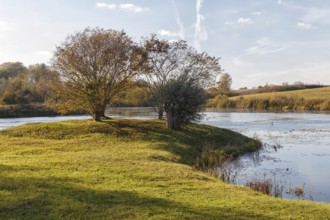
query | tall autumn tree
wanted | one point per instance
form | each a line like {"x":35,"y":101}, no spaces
{"x":94,"y":66}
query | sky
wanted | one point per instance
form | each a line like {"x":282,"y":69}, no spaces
{"x":258,"y":41}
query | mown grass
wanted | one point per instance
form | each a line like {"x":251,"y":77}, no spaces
{"x":298,"y":100}
{"x":128,"y":169}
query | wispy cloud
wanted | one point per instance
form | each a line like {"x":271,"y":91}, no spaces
{"x":244,"y":21}
{"x":238,"y":61}
{"x":316,"y":15}
{"x":265,"y":46}
{"x":305,"y":26}
{"x":257,"y":13}
{"x":179,"y":22}
{"x":125,"y":7}
{"x":200,"y":31}
{"x":280,"y":2}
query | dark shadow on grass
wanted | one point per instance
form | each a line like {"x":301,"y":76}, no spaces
{"x":187,"y":143}
{"x":56,"y":198}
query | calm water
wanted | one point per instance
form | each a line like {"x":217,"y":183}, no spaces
{"x":296,"y":152}
{"x":11,"y":122}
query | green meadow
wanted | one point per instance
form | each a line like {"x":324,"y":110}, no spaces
{"x":130,"y":169}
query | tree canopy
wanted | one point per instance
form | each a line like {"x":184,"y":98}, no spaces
{"x":184,"y":99}
{"x":94,"y":66}
{"x":168,"y":62}
{"x":224,"y":85}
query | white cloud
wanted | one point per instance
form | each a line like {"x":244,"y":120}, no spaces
{"x":265,"y":46}
{"x":125,"y":7}
{"x":305,"y":26}
{"x":244,"y":21}
{"x":168,"y":33}
{"x":200,"y":31}
{"x":108,"y":6}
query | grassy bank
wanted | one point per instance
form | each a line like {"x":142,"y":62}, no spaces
{"x":30,"y":110}
{"x":128,"y":169}
{"x":299,"y":100}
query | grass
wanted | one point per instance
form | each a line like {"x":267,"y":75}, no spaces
{"x":298,"y":100}
{"x":308,"y":94}
{"x":128,"y":169}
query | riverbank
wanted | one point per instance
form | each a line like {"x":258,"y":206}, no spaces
{"x":29,"y":110}
{"x":120,"y":169}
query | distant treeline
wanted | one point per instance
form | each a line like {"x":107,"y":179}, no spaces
{"x":27,"y":86}
{"x":25,"y":91}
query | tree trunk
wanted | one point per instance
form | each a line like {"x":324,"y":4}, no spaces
{"x":160,"y":114}
{"x":172,"y":122}
{"x":99,"y":113}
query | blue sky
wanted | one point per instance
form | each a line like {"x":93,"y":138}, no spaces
{"x":259,"y":41}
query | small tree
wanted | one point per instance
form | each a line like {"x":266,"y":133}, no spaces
{"x":224,"y":85}
{"x":184,"y":100}
{"x":167,"y":61}
{"x":163,"y":61}
{"x":94,"y":66}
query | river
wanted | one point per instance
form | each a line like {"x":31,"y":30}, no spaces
{"x":296,"y":152}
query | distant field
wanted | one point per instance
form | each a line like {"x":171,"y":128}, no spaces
{"x":319,"y":93}
{"x":298,"y":100}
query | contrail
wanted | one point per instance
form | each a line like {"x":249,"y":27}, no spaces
{"x":200,"y":32}
{"x":178,"y":21}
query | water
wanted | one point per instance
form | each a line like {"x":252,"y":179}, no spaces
{"x":296,"y":152}
{"x":11,"y":122}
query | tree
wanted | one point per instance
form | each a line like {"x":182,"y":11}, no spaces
{"x":41,"y":77}
{"x":163,"y":60}
{"x":17,"y":91}
{"x":184,"y":100}
{"x":94,"y":66}
{"x":10,"y":70}
{"x":167,"y":61}
{"x":224,"y":85}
